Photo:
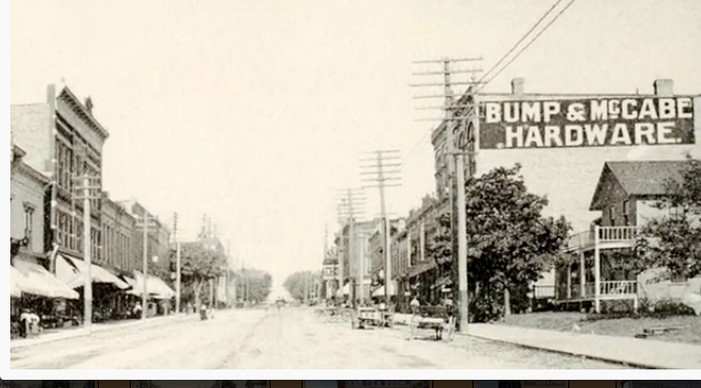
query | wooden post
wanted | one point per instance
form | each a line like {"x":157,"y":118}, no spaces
{"x":597,"y":271}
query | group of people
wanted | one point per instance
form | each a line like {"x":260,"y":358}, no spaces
{"x":28,"y":323}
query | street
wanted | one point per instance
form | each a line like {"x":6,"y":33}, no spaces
{"x":291,"y":338}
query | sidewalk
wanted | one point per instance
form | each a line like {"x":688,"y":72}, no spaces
{"x":67,"y":333}
{"x":631,"y":351}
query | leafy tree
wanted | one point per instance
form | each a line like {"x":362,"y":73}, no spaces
{"x":254,"y":285}
{"x":199,"y":265}
{"x":295,"y":283}
{"x":674,"y":242}
{"x":509,"y":242}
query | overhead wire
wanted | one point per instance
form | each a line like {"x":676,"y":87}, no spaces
{"x":427,"y":134}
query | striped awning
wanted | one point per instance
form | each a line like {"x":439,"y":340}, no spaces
{"x":15,"y":281}
{"x":73,"y":272}
{"x":155,"y":286}
{"x":34,"y":279}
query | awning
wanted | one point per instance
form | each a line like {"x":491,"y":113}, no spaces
{"x":421,"y":267}
{"x":36,"y":280}
{"x":15,"y":281}
{"x":155,"y":287}
{"x":72,"y":272}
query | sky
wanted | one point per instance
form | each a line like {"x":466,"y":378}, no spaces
{"x":256,"y":112}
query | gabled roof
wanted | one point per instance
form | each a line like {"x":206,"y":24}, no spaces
{"x":639,"y":177}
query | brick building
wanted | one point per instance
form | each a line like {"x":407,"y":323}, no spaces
{"x":32,"y":285}
{"x":64,"y":140}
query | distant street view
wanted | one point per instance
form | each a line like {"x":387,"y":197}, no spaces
{"x":249,"y":185}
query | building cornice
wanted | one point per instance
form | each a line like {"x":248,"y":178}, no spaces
{"x":82,"y":112}
{"x":24,"y":168}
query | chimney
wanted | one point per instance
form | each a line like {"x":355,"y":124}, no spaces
{"x":664,"y":87}
{"x":517,"y":86}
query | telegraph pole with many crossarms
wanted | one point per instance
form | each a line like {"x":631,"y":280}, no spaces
{"x":382,"y":170}
{"x":91,"y":190}
{"x":349,"y":209}
{"x":458,"y":115}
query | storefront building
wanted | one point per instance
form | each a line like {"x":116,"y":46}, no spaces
{"x":32,"y":286}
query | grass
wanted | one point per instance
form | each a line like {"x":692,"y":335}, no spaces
{"x":689,"y":326}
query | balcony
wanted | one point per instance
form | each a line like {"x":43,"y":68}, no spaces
{"x":608,"y":237}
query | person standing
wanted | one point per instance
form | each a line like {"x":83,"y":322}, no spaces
{"x":136,"y":311}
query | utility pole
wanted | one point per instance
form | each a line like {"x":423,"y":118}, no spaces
{"x":177,"y":263}
{"x":361,"y":269}
{"x":381,"y":171}
{"x":350,"y":207}
{"x":456,"y":114}
{"x":90,"y":187}
{"x":145,"y":222}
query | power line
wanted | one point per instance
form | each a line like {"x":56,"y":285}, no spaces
{"x":486,"y":74}
{"x":527,"y":45}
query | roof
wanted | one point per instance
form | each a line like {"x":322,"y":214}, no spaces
{"x":640,"y":177}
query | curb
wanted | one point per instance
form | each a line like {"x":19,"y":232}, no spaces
{"x":83,"y":332}
{"x":569,"y":353}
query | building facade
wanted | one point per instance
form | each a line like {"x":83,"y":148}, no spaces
{"x":118,"y":229}
{"x":64,"y":140}
{"x":28,"y":188}
{"x":158,"y":244}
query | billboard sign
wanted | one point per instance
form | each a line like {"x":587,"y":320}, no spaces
{"x":592,"y":122}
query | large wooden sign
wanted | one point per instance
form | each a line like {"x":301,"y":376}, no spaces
{"x":587,"y":122}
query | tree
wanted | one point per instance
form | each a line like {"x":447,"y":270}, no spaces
{"x":295,"y":283}
{"x":253,"y":285}
{"x":199,"y":265}
{"x":509,"y":242}
{"x":674,"y":241}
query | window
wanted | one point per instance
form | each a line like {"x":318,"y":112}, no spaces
{"x":626,"y":212}
{"x":79,"y":236}
{"x":28,"y":220}
{"x":612,"y":215}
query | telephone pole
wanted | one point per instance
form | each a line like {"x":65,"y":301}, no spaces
{"x":91,"y":190}
{"x":145,"y":222}
{"x":381,"y":170}
{"x":177,"y":262}
{"x":350,"y":205}
{"x":457,"y":117}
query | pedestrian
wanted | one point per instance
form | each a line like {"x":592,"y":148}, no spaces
{"x":24,"y":323}
{"x":415,"y":304}
{"x":136,"y":311}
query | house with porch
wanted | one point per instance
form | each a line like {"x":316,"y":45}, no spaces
{"x":626,"y":195}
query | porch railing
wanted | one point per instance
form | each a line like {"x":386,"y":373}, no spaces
{"x":619,"y":287}
{"x":608,"y":288}
{"x":607,"y":234}
{"x":617,"y":233}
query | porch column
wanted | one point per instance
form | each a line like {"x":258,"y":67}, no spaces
{"x":597,"y":271}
